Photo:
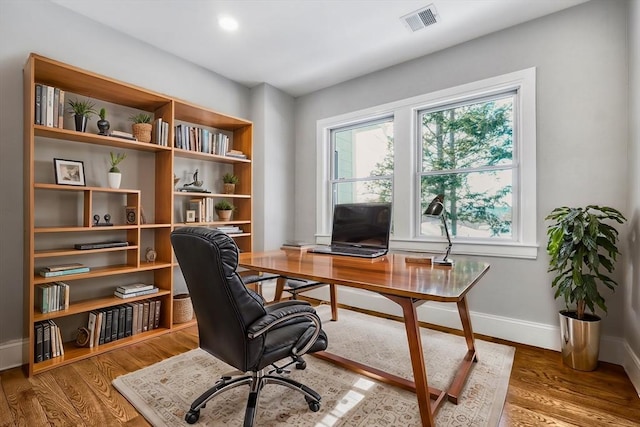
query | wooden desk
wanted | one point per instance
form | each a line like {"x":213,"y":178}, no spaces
{"x":407,"y":284}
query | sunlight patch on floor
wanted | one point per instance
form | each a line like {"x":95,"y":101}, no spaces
{"x":348,"y":402}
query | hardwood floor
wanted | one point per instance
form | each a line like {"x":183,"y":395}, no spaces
{"x":542,"y":392}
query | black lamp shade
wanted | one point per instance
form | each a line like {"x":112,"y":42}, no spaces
{"x":436,"y":207}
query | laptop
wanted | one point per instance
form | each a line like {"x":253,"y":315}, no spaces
{"x":359,"y":230}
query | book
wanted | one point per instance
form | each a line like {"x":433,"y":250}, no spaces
{"x":45,"y":273}
{"x":145,"y":316}
{"x":108,"y":325}
{"x":38,"y":356}
{"x":46,"y":341}
{"x":56,"y":105}
{"x":115,"y":320}
{"x":38,"y":105}
{"x":140,"y":313}
{"x":61,"y":110}
{"x":91,"y":326}
{"x":61,"y":267}
{"x":55,"y":345}
{"x":134,"y":287}
{"x":100,"y":245}
{"x":103,"y":326}
{"x":49,"y":116}
{"x":136,"y":294}
{"x":122,"y":319}
{"x":121,"y":134}
{"x":128,"y":320}
{"x":156,"y":320}
{"x":96,"y":335}
{"x":152,"y":313}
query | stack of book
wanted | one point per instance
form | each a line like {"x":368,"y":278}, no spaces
{"x":295,"y":246}
{"x":49,"y":106}
{"x":52,"y":297}
{"x":134,"y":290}
{"x":236,"y":153}
{"x":113,"y":323}
{"x":63,"y":269}
{"x":230,"y":229}
{"x":123,"y":135}
{"x":48,"y":341}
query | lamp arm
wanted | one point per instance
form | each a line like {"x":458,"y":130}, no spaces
{"x":446,"y":229}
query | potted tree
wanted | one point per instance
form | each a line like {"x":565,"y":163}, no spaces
{"x":141,"y":127}
{"x":230,"y":180}
{"x":224,"y":210}
{"x":582,"y":246}
{"x":82,"y":111}
{"x":114,"y":177}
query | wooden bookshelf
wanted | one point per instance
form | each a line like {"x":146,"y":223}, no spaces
{"x":49,"y":243}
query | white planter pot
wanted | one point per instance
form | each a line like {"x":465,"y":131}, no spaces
{"x":113,"y":178}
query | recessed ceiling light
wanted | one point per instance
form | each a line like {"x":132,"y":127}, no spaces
{"x":227,"y":23}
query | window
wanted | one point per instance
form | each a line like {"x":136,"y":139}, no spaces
{"x":474,"y":143}
{"x":362,"y":162}
{"x":467,"y":155}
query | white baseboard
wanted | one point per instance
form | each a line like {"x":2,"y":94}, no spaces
{"x":612,"y":349}
{"x":631,"y":365}
{"x":12,"y":353}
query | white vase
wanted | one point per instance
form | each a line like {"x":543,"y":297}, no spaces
{"x":114,"y":179}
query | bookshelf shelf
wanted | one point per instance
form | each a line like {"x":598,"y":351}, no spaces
{"x":51,"y":230}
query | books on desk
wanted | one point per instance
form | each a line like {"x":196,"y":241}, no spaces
{"x":296,"y":246}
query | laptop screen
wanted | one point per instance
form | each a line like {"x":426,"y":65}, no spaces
{"x":362,"y":224}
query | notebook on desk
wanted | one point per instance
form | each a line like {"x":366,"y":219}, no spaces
{"x":360,"y":230}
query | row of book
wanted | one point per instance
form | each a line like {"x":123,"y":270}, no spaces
{"x":48,"y":342}
{"x":52,"y":297}
{"x":160,"y":132}
{"x":113,"y":323}
{"x":49,"y":106}
{"x":194,"y":138}
{"x":204,"y":209}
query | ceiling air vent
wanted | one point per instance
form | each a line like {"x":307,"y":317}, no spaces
{"x":421,"y":18}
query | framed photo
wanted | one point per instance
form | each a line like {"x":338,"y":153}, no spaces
{"x":69,"y":172}
{"x":191,"y":216}
{"x":131,"y":215}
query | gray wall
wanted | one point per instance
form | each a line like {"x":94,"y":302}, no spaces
{"x":45,"y":28}
{"x":272,"y":112}
{"x":581,"y":60}
{"x":632,"y":290}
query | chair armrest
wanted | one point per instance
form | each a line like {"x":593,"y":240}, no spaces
{"x":283,"y":312}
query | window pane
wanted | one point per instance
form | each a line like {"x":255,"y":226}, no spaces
{"x":363,"y":191}
{"x":468,"y":136}
{"x":478,"y":204}
{"x":363,"y":151}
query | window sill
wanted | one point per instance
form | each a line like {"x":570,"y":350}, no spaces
{"x":499,"y":250}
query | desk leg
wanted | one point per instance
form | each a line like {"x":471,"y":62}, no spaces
{"x":417,"y":359}
{"x":333,"y":297}
{"x":280,"y":282}
{"x":466,"y":364}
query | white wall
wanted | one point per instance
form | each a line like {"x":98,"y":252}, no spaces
{"x":581,"y":59}
{"x":45,"y":28}
{"x":631,"y":290}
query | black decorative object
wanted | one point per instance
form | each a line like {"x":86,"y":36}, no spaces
{"x":103,"y":124}
{"x":106,"y":223}
{"x":436,"y":209}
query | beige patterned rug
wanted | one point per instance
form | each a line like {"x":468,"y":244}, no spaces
{"x":163,"y":392}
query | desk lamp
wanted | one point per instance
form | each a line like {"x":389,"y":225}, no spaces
{"x":436,"y":209}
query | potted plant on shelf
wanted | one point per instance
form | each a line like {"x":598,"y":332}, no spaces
{"x":81,"y":110}
{"x":224,"y":210}
{"x":582,"y":246}
{"x":114,"y":177}
{"x":230,"y":180}
{"x":103,"y":124}
{"x":141,"y":127}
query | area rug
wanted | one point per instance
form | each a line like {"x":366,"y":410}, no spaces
{"x":163,"y":392}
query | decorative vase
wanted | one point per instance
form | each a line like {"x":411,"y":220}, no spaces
{"x":142,"y":131}
{"x":580,"y":340}
{"x":114,"y":179}
{"x":229,"y":188}
{"x":224,"y":215}
{"x":103,"y":127}
{"x":81,"y":123}
{"x":182,"y":308}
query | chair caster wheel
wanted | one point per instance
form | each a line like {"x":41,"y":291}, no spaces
{"x":314,"y":406}
{"x":301,"y":365}
{"x":192,"y":417}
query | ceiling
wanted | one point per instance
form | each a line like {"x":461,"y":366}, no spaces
{"x":300,"y":46}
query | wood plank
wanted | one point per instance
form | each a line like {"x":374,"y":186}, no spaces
{"x":22,"y":399}
{"x":6,"y":417}
{"x":58,"y":408}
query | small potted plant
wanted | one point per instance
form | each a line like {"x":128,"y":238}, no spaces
{"x":224,"y":210}
{"x":103,"y":124}
{"x":582,"y":245}
{"x":141,"y":127}
{"x":114,"y":177}
{"x":82,"y":111}
{"x":230,"y":180}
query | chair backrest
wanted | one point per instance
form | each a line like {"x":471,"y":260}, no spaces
{"x":223,"y":306}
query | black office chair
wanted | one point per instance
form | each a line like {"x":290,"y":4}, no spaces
{"x":236,"y":326}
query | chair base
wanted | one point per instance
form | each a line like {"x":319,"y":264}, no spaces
{"x":256,"y":381}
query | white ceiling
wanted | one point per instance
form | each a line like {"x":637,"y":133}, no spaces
{"x":300,"y":46}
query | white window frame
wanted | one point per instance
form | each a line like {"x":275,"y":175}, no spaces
{"x":405,"y":219}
